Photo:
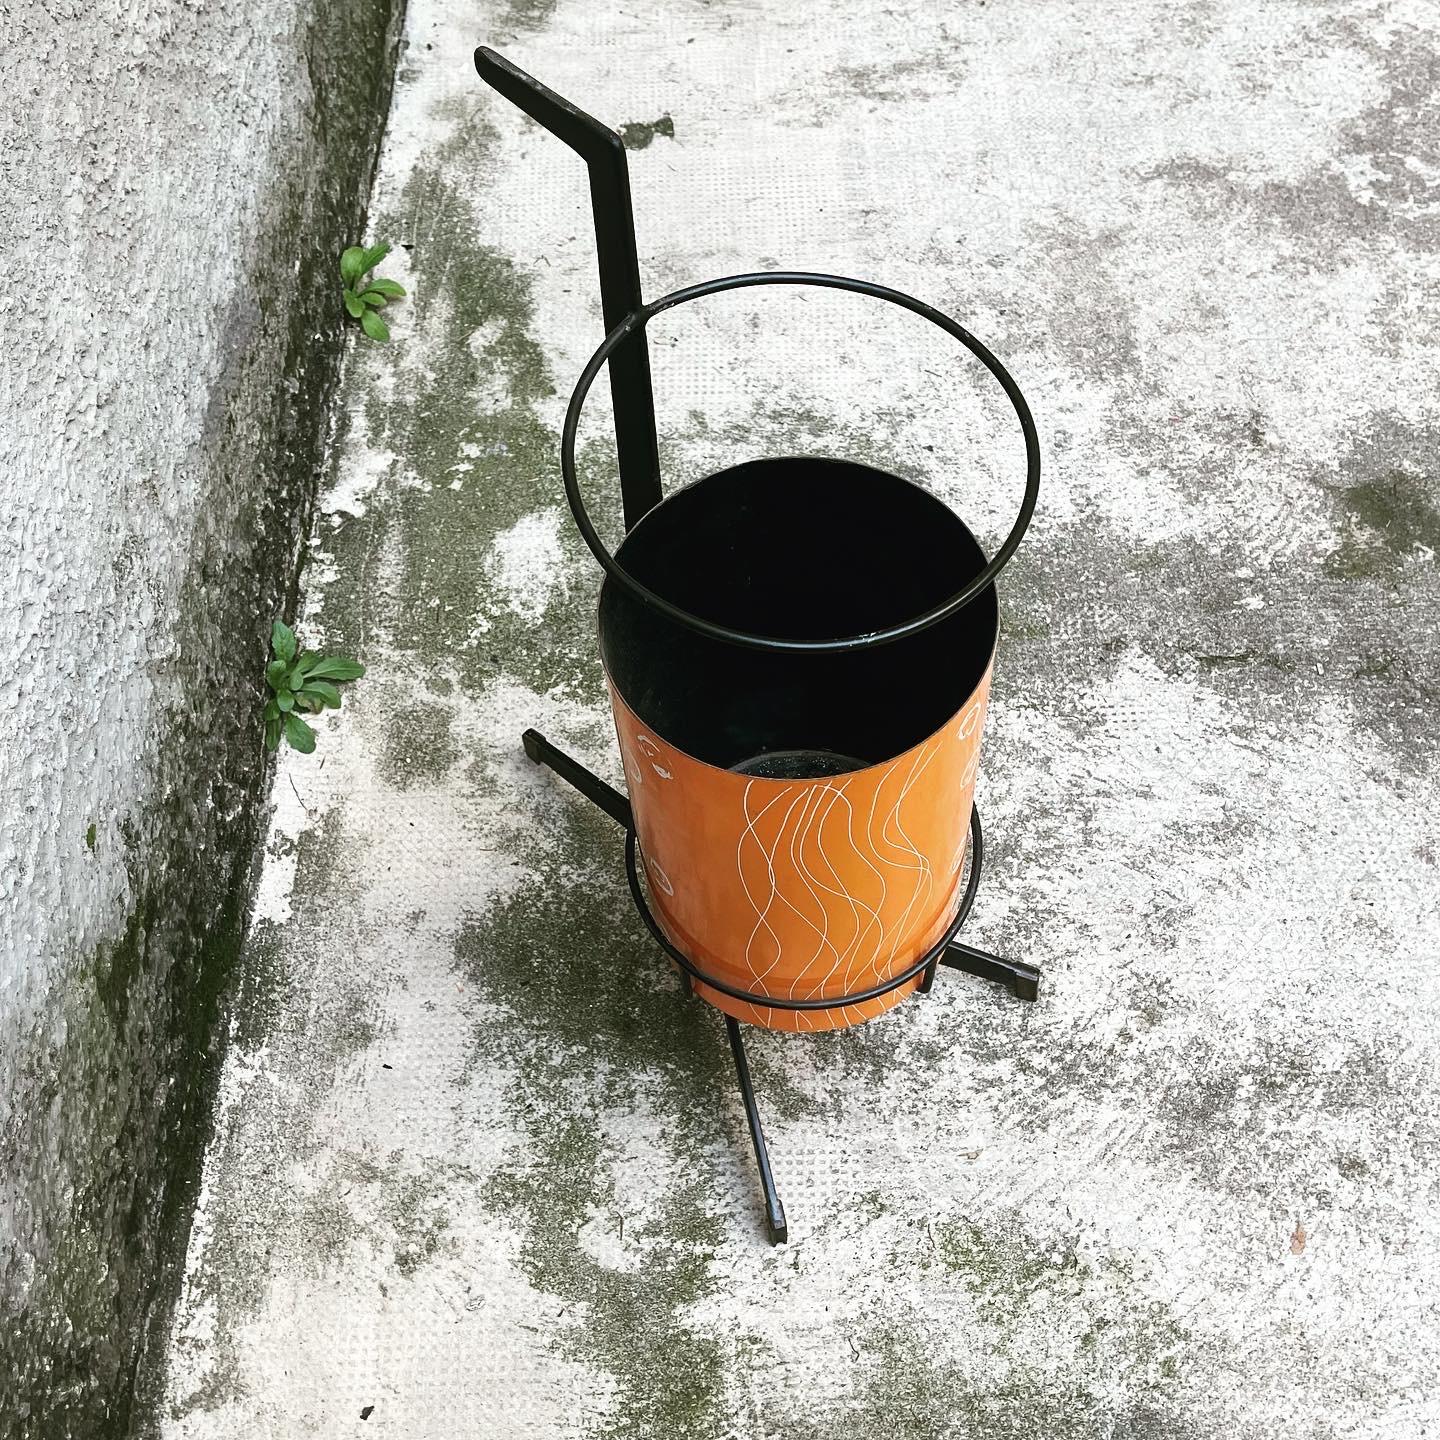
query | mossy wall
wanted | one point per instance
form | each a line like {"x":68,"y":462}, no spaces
{"x":186,"y":179}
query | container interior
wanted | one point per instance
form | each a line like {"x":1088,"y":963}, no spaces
{"x":797,"y":548}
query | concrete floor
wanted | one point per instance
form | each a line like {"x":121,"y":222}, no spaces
{"x":478,"y":1169}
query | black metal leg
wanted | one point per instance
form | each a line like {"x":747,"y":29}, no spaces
{"x":592,"y":787}
{"x":1023,"y":980}
{"x":927,"y":978}
{"x":774,"y":1210}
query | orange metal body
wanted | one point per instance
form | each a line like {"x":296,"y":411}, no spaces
{"x":805,"y":888}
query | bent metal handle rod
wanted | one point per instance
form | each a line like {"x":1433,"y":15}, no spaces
{"x":604,"y":155}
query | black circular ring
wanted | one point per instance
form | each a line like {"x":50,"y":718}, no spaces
{"x":635,"y":322}
{"x":977,"y":859}
{"x":838,"y":1002}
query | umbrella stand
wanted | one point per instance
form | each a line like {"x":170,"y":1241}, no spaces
{"x":799,"y":653}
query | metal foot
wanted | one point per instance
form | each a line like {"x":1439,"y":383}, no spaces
{"x":774,"y":1210}
{"x":1023,"y":980}
{"x":592,"y":787}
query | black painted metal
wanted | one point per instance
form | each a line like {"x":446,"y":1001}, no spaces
{"x":632,"y":328}
{"x":604,"y":155}
{"x":591,"y":786}
{"x":1023,"y":980}
{"x":774,"y":1210}
{"x":806,"y":547}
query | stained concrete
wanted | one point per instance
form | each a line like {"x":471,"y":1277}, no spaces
{"x":478,"y":1168}
{"x":177,"y":183}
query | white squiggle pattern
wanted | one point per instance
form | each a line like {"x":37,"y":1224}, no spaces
{"x":762,"y":921}
{"x":822,"y":931}
{"x":848,"y":983}
{"x":634,"y":775}
{"x":969,"y":720}
{"x":652,"y":752}
{"x":925,"y":881}
{"x":837,"y":797}
{"x":826,"y":927}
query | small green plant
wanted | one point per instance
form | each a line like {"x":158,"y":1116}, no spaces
{"x":364,"y":297}
{"x":301,"y":680}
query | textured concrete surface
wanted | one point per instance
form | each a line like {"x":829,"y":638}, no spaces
{"x":478,"y":1168}
{"x":177,"y":181}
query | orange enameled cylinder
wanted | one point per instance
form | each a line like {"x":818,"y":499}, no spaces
{"x":801,"y":816}
{"x":804,"y":888}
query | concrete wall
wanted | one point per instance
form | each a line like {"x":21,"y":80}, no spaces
{"x":177,"y":182}
{"x":479,"y":1169}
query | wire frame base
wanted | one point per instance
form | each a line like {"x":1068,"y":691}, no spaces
{"x":1022,"y":980}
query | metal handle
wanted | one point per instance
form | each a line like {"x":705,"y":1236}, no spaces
{"x":604,"y":155}
{"x":632,"y":330}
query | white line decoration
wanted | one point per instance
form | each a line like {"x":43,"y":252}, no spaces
{"x":652,"y":753}
{"x":839,"y":882}
{"x":633,"y":773}
{"x":832,"y":929}
{"x":659,"y":876}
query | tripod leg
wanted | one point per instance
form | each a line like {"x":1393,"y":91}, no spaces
{"x":1023,"y":980}
{"x":592,"y":787}
{"x":774,"y":1210}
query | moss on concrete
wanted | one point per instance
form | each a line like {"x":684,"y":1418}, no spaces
{"x":669,"y":1376}
{"x":638,"y":134}
{"x":116,"y":1099}
{"x":1074,"y":1345}
{"x":1082,"y":599}
{"x":1390,"y":520}
{"x":520,"y":17}
{"x":904,"y":1392}
{"x":594,"y":1022}
{"x":411,"y":569}
{"x":575,"y":969}
{"x":419,"y":745}
{"x":414,"y":1208}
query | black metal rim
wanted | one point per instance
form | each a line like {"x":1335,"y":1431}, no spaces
{"x":837,"y":1002}
{"x":635,"y":323}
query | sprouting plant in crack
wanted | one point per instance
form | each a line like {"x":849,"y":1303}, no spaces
{"x":363,"y":298}
{"x":301,"y":680}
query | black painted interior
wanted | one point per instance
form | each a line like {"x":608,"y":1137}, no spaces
{"x":798,"y":548}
